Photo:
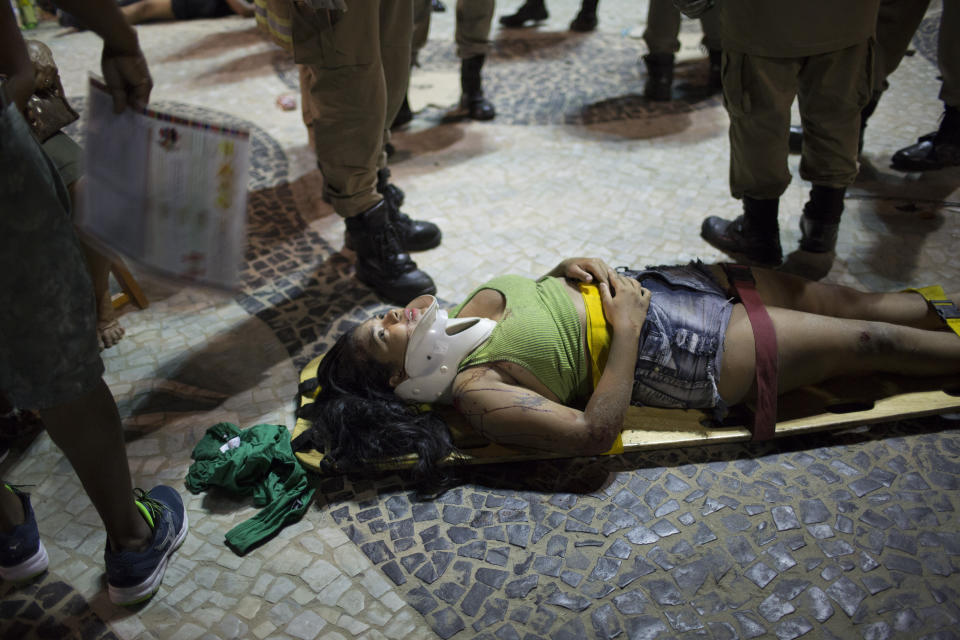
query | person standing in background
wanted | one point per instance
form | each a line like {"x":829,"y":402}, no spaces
{"x":821,"y":53}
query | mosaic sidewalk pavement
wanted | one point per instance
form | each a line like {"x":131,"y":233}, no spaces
{"x":850,"y":535}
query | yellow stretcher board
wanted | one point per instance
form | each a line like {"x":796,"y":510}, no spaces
{"x":838,"y":404}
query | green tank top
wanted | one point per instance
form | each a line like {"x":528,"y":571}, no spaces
{"x":540,"y":331}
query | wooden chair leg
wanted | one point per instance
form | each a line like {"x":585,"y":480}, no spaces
{"x":131,"y":291}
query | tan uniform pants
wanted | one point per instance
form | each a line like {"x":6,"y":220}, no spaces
{"x":897,"y":23}
{"x":663,"y":25}
{"x":948,"y":53}
{"x":353,"y":75}
{"x":472,"y":27}
{"x":831,"y":89}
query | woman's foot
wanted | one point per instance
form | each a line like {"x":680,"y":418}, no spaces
{"x":109,"y":333}
{"x":109,"y":330}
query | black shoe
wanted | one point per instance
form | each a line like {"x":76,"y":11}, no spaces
{"x":472,"y":100}
{"x":586,"y":20}
{"x":381,"y":262}
{"x":438,"y":6}
{"x":935,"y":150}
{"x":738,"y":238}
{"x":531,"y":10}
{"x":404,"y":115}
{"x":659,"y":84}
{"x":390,"y":192}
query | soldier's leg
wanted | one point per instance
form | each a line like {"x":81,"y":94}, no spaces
{"x":663,"y":25}
{"x":759,"y":112}
{"x":710,"y":23}
{"x":941,"y":148}
{"x":422,"y":9}
{"x":834,"y":87}
{"x":421,"y":27}
{"x":948,"y":53}
{"x":472,"y":36}
{"x":897,"y":22}
{"x":348,"y":95}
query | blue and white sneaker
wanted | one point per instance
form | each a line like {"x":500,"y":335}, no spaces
{"x":134,"y":576}
{"x":22,"y":554}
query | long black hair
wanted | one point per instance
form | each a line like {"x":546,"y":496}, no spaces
{"x":361,"y":421}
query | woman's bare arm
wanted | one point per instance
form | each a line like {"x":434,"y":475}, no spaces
{"x":508,"y":414}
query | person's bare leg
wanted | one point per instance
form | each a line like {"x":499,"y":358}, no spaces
{"x":812,"y":348}
{"x":147,"y":10}
{"x":109,"y":330}
{"x":787,"y":291}
{"x":11,"y":510}
{"x":89,"y":432}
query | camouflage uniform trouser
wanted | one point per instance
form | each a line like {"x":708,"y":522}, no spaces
{"x":472,"y":27}
{"x":354,"y":68}
{"x":831,"y":89}
{"x":663,"y":25}
{"x":896,"y":24}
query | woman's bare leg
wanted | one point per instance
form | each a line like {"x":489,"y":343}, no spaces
{"x":109,"y":330}
{"x":813,"y":348}
{"x":787,"y":291}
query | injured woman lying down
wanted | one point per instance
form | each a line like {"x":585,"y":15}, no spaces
{"x":515,"y":358}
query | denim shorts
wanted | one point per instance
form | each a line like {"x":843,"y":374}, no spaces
{"x":681,"y":343}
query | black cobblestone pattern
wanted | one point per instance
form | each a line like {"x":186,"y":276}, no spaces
{"x":579,"y":79}
{"x":48,"y":609}
{"x":831,"y":536}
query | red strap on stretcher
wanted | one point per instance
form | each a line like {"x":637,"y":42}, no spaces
{"x":765,"y":340}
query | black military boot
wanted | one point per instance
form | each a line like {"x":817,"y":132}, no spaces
{"x":414,"y":235}
{"x":471,"y":84}
{"x":388,"y":190}
{"x":533,"y":10}
{"x":586,"y":19}
{"x":659,"y":76}
{"x":381,"y":262}
{"x":714,"y":76}
{"x":935,"y":150}
{"x":820,"y":222}
{"x":754,"y":235}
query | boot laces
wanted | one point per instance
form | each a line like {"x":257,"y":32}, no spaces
{"x":389,"y":250}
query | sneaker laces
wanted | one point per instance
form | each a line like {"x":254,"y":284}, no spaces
{"x":150,"y":508}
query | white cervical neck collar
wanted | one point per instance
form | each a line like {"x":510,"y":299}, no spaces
{"x":435,"y":349}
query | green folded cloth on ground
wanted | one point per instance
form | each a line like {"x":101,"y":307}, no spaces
{"x":257,"y":461}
